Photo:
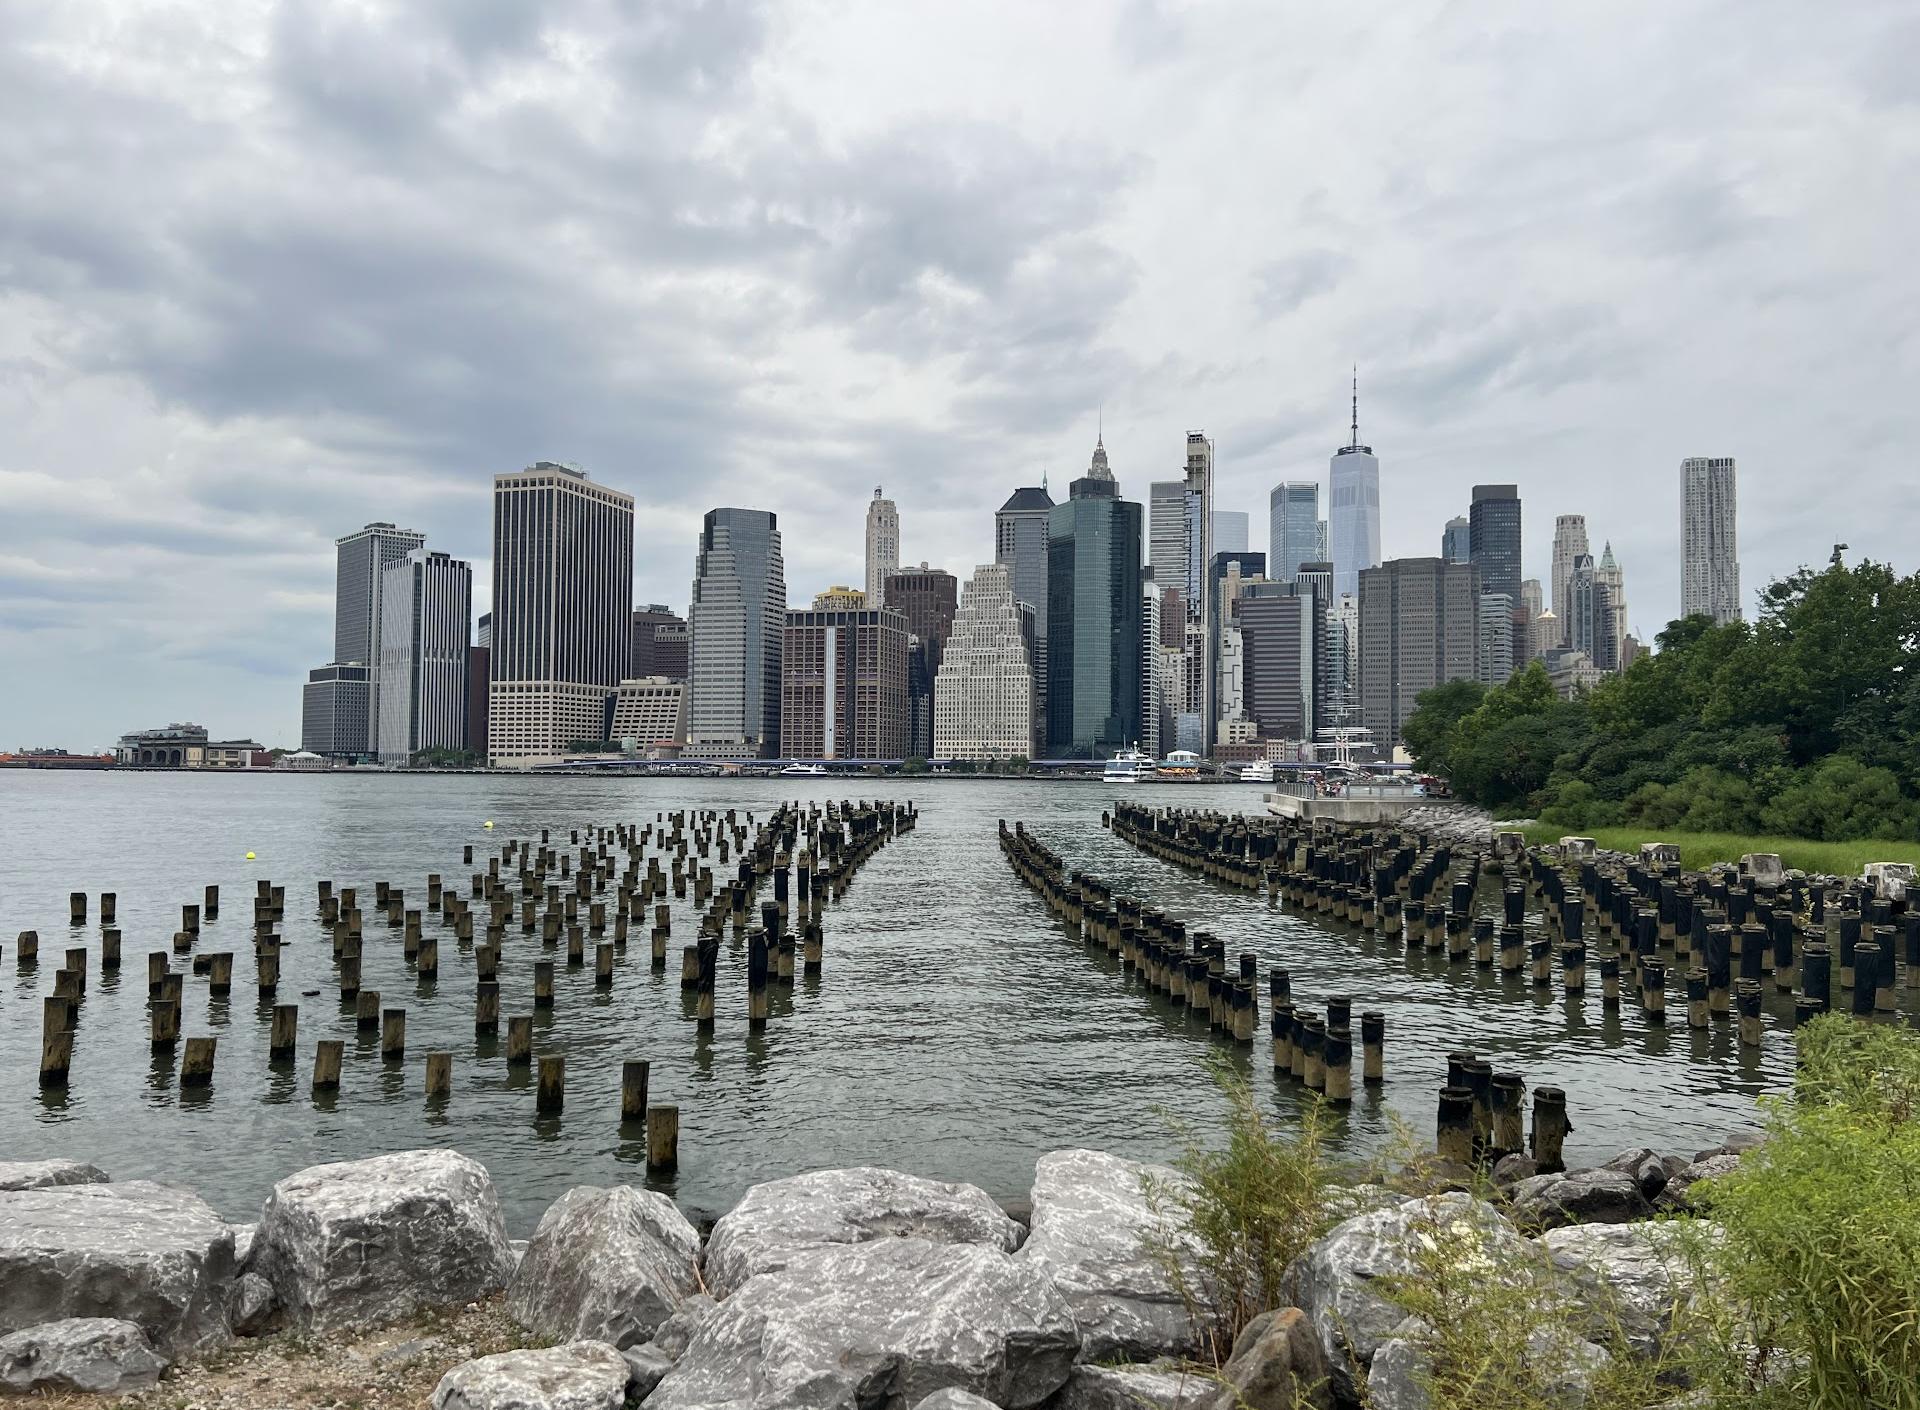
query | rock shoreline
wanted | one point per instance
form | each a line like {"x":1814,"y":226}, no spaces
{"x":837,"y":1288}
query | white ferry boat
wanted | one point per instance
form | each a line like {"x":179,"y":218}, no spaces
{"x":803,"y":770}
{"x":1259,"y":771}
{"x":1130,"y":765}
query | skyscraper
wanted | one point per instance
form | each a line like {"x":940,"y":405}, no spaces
{"x":843,"y":685}
{"x":1020,"y":546}
{"x":1419,"y":626}
{"x":333,"y":711}
{"x":1315,"y":580}
{"x":735,"y":625}
{"x":1496,"y":638}
{"x":1167,"y":540}
{"x":1531,"y":607}
{"x":883,"y":547}
{"x":1280,"y":658}
{"x":426,"y":604}
{"x":983,"y":695}
{"x":1229,"y":531}
{"x":1199,"y":486}
{"x":1493,"y":535}
{"x":562,"y":602}
{"x":1710,"y":551}
{"x":1613,"y":583}
{"x":1353,"y":507}
{"x":1093,"y":617}
{"x":1293,"y":527}
{"x":657,"y":643}
{"x":1569,"y":542}
{"x":1456,"y":540}
{"x":362,"y":560}
{"x":927,"y":598}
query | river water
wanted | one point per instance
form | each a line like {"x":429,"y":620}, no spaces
{"x":955,"y":1031}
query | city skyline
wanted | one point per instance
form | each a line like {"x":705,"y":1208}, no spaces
{"x":799,"y":255}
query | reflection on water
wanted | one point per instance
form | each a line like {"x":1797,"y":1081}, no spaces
{"x":955,"y":1031}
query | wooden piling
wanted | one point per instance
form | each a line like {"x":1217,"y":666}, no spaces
{"x":1373,"y":1048}
{"x":1453,"y":1126}
{"x":486,"y":1007}
{"x":426,"y":960}
{"x":196,"y":1062}
{"x":366,"y":1010}
{"x":663,"y":1137}
{"x":519,"y":1040}
{"x":56,"y":1040}
{"x":1506,"y":1095}
{"x":1550,"y":1127}
{"x":326,"y":1064}
{"x":393,"y":1034}
{"x":283,"y":1032}
{"x":543,"y":984}
{"x":76,"y":910}
{"x":109,"y":908}
{"x":220,"y":973}
{"x":439,"y":1079}
{"x":550,"y":1093}
{"x":164,"y":1023}
{"x":634,"y":1074}
{"x":1337,"y":1063}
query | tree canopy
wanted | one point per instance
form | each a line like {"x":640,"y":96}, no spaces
{"x":1805,"y":723}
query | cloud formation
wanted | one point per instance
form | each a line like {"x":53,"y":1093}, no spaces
{"x":271,"y":270}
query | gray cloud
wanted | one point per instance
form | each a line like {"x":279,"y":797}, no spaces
{"x":266,"y":276}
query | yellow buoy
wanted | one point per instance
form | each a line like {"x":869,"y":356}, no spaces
{"x":249,"y":856}
{"x":489,"y":822}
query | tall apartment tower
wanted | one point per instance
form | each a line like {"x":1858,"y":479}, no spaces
{"x":562,"y":604}
{"x":1569,"y":542}
{"x":426,"y":604}
{"x":1496,"y":638}
{"x":983,"y":694}
{"x":1613,"y":583}
{"x":362,"y":560}
{"x":1093,"y":617}
{"x":1293,"y":527}
{"x":883,"y":547}
{"x":1353,"y":512}
{"x":1020,"y":546}
{"x":1419,"y":625}
{"x":735,"y":626}
{"x":1710,"y":550}
{"x":1199,"y":485}
{"x":843,"y":684}
{"x":1167,"y":538}
{"x":1456,"y":540}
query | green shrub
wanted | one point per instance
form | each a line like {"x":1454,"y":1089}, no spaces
{"x":1249,"y":1208}
{"x":1822,"y":1224}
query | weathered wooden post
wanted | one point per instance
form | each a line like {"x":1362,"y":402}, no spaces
{"x":543,"y":984}
{"x":164,"y":1023}
{"x":76,"y":909}
{"x":663,"y":1137}
{"x":196,"y":1062}
{"x":1507,"y":1096}
{"x":366,"y":1011}
{"x":283,"y":1033}
{"x":550,"y":1093}
{"x":1454,"y":1126}
{"x":1550,"y":1128}
{"x":393,"y":1034}
{"x":56,"y":1039}
{"x":633,"y":1089}
{"x":519,"y":1040}
{"x":439,"y":1079}
{"x":326,"y":1065}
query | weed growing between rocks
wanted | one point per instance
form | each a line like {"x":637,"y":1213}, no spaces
{"x":1244,"y":1210}
{"x":1822,"y":1230}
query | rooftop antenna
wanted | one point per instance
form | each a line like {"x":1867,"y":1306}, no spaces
{"x":1354,"y":438}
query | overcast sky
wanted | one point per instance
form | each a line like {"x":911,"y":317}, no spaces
{"x":268,"y":271}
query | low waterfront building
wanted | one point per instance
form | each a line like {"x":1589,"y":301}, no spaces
{"x":650,"y":712}
{"x":186,"y":746}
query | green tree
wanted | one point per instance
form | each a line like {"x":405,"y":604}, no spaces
{"x":1841,"y":799}
{"x":1428,"y":731}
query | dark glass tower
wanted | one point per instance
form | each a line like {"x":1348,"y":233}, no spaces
{"x":1093,"y":618}
{"x":1493,"y":533}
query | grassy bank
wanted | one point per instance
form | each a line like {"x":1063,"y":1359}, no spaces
{"x":1699,"y":849}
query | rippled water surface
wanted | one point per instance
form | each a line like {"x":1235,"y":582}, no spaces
{"x":956,"y":1031}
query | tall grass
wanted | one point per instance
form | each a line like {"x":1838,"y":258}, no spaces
{"x":1242,"y":1212}
{"x":1702,"y":849}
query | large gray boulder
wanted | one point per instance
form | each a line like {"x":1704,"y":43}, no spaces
{"x":99,"y":1355}
{"x":580,"y":1375}
{"x":1338,"y":1281}
{"x":369,"y":1241}
{"x":1561,"y":1365}
{"x":674,"y":1335}
{"x":1675,"y":1195}
{"x":605,"y":1265}
{"x":776,"y":1220}
{"x":48,"y":1174}
{"x":955,"y":1400}
{"x":139,"y":1252}
{"x":1597,"y":1196}
{"x":1647,"y":1167}
{"x":879,"y":1325}
{"x":1112,"y":1250}
{"x":1158,"y":1386}
{"x":1638,"y":1276}
{"x":1276,"y":1364}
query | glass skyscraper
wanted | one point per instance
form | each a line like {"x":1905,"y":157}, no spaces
{"x":1093,"y":618}
{"x":1354,"y":509}
{"x":1293,"y":527}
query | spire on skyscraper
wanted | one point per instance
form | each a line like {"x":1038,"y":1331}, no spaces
{"x":1353,"y":438}
{"x":1097,"y":468}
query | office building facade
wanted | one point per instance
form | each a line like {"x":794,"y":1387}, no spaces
{"x":843,"y":685}
{"x":562,"y":604}
{"x":1456,"y":540}
{"x":883,"y":547}
{"x":1353,"y":511}
{"x":1496,"y":638}
{"x":426,"y":605}
{"x":1419,"y":625}
{"x":1569,"y":543}
{"x":736,"y":627}
{"x":1093,"y":617}
{"x":650,"y":714}
{"x":1230,"y":528}
{"x":1710,"y":546}
{"x":1020,"y":546}
{"x":334,"y":711}
{"x":1494,"y":539}
{"x":361,"y":563}
{"x":1280,"y":658}
{"x":983,"y":694}
{"x":1293,"y":528}
{"x":657,"y":643}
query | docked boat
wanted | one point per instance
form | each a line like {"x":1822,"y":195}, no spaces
{"x":1130,"y":765}
{"x":1259,"y":771}
{"x":803,"y":770}
{"x":1343,"y":789}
